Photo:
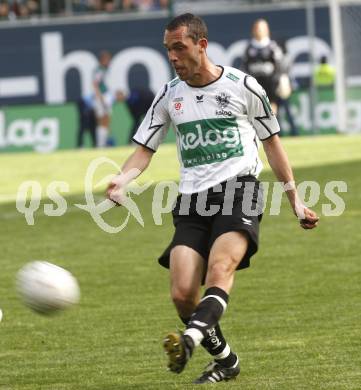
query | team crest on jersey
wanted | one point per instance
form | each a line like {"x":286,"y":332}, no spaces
{"x":223,"y":100}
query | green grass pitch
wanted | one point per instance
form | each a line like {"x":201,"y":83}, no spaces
{"x":294,"y":317}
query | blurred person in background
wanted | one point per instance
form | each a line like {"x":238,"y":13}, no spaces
{"x":138,"y":102}
{"x":324,"y":75}
{"x":33,"y":6}
{"x":162,"y":4}
{"x":143,"y":5}
{"x":87,"y":120}
{"x":284,"y":92}
{"x":103,"y":99}
{"x":110,"y":6}
{"x":14,"y":9}
{"x":21,"y":9}
{"x":263,"y":60}
{"x":80,"y":6}
{"x":56,"y":7}
{"x":128,"y":5}
{"x":150,"y":5}
{"x":4,"y":11}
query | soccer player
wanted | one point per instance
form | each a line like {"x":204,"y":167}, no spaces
{"x":103,"y":99}
{"x":218,"y":114}
{"x":264,"y":60}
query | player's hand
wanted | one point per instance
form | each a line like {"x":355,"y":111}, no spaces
{"x":309,"y":219}
{"x":117,"y":188}
{"x":115,"y":193}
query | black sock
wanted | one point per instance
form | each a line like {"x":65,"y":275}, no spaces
{"x":217,"y":346}
{"x":214,"y":342}
{"x":207,"y":314}
{"x":185,"y":320}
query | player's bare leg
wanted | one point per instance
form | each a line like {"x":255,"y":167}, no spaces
{"x":185,"y":283}
{"x":187,"y":269}
{"x":225,"y":255}
{"x":103,"y":130}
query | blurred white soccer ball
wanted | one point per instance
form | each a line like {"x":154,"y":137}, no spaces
{"x":47,"y":288}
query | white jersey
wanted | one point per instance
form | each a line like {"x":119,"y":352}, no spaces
{"x":217,"y":127}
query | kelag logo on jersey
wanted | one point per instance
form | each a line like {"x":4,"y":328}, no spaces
{"x":223,"y":101}
{"x":208,"y":141}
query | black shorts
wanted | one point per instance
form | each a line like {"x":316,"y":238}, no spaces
{"x":241,"y":211}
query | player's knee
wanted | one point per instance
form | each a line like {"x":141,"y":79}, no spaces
{"x":223,"y":267}
{"x":183,"y":297}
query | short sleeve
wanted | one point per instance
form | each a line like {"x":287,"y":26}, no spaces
{"x":259,"y":110}
{"x":155,"y":124}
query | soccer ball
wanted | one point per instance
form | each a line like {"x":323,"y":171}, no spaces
{"x":47,"y":288}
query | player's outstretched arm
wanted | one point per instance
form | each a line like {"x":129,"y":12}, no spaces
{"x":281,"y":167}
{"x":136,"y":163}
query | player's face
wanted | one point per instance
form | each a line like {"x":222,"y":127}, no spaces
{"x":184,"y":55}
{"x":260,"y":30}
{"x":105,"y":59}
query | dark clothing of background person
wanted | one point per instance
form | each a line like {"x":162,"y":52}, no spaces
{"x":87,"y":122}
{"x":138,"y":103}
{"x":264,"y":63}
{"x":284,"y":103}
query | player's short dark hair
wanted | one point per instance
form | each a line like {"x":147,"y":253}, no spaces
{"x":197,"y":28}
